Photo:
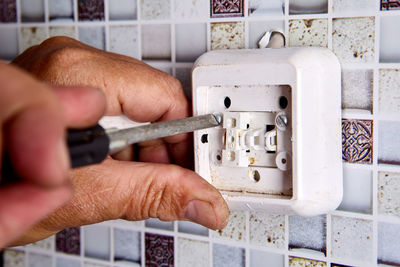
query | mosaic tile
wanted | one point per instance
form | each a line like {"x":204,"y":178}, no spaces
{"x":226,"y":256}
{"x":125,"y":223}
{"x":61,"y":9}
{"x":357,"y":190}
{"x":159,"y":250}
{"x":192,"y":253}
{"x":195,"y":9}
{"x":32,"y":36}
{"x":122,"y":10}
{"x":357,"y":141}
{"x":125,"y":40}
{"x":389,"y":193}
{"x":262,"y":258}
{"x":8,"y":43}
{"x":192,"y":228}
{"x":62,"y":31}
{"x":8,"y":11}
{"x":67,"y":262}
{"x":39,"y":260}
{"x":352,"y":238}
{"x":389,"y":39}
{"x":189,"y":49}
{"x":389,"y":142}
{"x":227,"y":35}
{"x":300,"y":262}
{"x":91,"y":9}
{"x":307,"y":232}
{"x":388,"y":243}
{"x":267,"y":230}
{"x":97,"y":241}
{"x":312,"y":32}
{"x":390,"y":4}
{"x":258,"y":29}
{"x":156,"y":42}
{"x":68,"y":241}
{"x":32,"y":10}
{"x":343,"y":6}
{"x":235,"y":229}
{"x":155,"y":9}
{"x":357,"y":87}
{"x":354,"y":39}
{"x":13,"y":258}
{"x":308,"y":7}
{"x":45,"y":244}
{"x":158,"y":224}
{"x":227,"y":8}
{"x":93,"y":36}
{"x":264,"y":8}
{"x":127,"y":246}
{"x":389,"y":91}
{"x":92,"y":264}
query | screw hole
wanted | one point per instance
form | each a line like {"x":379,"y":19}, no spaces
{"x":204,"y":138}
{"x":227,"y":102}
{"x":219,"y":157}
{"x":284,"y":161}
{"x":248,"y":126}
{"x":283,"y":102}
{"x":255,"y":176}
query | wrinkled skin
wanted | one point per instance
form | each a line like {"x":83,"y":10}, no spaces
{"x":119,"y":187}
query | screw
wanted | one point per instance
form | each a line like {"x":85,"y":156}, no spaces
{"x":281,"y":120}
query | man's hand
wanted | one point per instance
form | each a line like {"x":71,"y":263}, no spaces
{"x":152,"y":188}
{"x":33,"y":120}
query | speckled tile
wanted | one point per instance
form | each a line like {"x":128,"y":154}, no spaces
{"x":122,"y":10}
{"x":301,"y":262}
{"x":260,"y":258}
{"x":91,"y":9}
{"x":344,"y":6}
{"x":227,"y":35}
{"x":226,"y":256}
{"x":357,"y":141}
{"x":389,"y":193}
{"x":39,"y":260}
{"x":352,"y":239}
{"x":159,"y":250}
{"x":193,"y":9}
{"x":32,"y":36}
{"x":8,"y":43}
{"x":156,"y":42}
{"x":354,"y":39}
{"x":389,"y":142}
{"x":227,"y":8}
{"x":265,"y":8}
{"x":8,"y":11}
{"x":192,"y":253}
{"x":61,"y":9}
{"x":93,"y":36}
{"x":267,"y":230}
{"x":45,"y":244}
{"x":308,"y":233}
{"x":390,"y":5}
{"x":32,"y":10}
{"x":62,"y":31}
{"x":389,"y":39}
{"x":308,"y":6}
{"x":311,"y":32}
{"x":155,"y":9}
{"x":68,"y":262}
{"x":389,"y":91}
{"x":127,"y":246}
{"x":388,"y":243}
{"x":13,"y":258}
{"x":357,"y":87}
{"x":235,"y":229}
{"x":125,"y":40}
{"x":68,"y":241}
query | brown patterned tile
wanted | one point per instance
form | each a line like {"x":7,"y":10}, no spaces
{"x":227,"y":8}
{"x":68,"y":241}
{"x":390,"y":4}
{"x":357,"y":141}
{"x":8,"y":11}
{"x":159,"y":250}
{"x":91,"y":9}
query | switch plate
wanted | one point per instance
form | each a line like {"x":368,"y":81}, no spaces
{"x":279,"y":147}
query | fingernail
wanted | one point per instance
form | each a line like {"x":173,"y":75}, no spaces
{"x":201,"y":212}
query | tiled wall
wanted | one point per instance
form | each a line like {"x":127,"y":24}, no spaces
{"x":170,"y":35}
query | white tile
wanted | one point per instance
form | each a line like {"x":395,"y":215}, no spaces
{"x":45,"y":244}
{"x":308,"y":6}
{"x":32,"y":36}
{"x":235,"y":229}
{"x":390,"y":39}
{"x":122,"y":9}
{"x":127,"y":246}
{"x":156,"y":41}
{"x":67,"y":262}
{"x":61,"y":9}
{"x":125,"y":40}
{"x":8,"y":43}
{"x":192,"y":228}
{"x":388,"y":243}
{"x":32,"y":10}
{"x":389,"y":91}
{"x":93,"y":36}
{"x":260,"y":258}
{"x":155,"y":9}
{"x":184,"y":75}
{"x":156,"y":223}
{"x":257,"y":30}
{"x":308,"y":232}
{"x":389,"y":142}
{"x":389,"y":193}
{"x":194,"y":9}
{"x":189,"y":49}
{"x":345,"y":6}
{"x":68,"y":31}
{"x":13,"y":258}
{"x":267,"y":230}
{"x":192,"y":253}
{"x":39,"y":260}
{"x":357,"y":89}
{"x":226,"y":256}
{"x":263,"y":8}
{"x":97,"y":241}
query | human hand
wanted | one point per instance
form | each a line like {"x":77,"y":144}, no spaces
{"x":33,"y":119}
{"x":120,"y":188}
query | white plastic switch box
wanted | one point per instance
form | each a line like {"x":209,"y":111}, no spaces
{"x":279,"y":146}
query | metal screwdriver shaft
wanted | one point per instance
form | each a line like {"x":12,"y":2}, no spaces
{"x":122,"y":138}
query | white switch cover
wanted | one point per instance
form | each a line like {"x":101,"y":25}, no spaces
{"x":279,"y":146}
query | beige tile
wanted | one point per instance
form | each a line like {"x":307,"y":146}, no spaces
{"x":32,"y":36}
{"x":236,"y":228}
{"x":300,"y":262}
{"x":267,"y":230}
{"x":227,"y":35}
{"x":313,"y":32}
{"x":389,"y":193}
{"x":389,"y":91}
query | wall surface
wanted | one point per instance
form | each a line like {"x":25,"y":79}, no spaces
{"x":170,"y":35}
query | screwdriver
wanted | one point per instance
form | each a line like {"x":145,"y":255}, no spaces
{"x":92,"y":145}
